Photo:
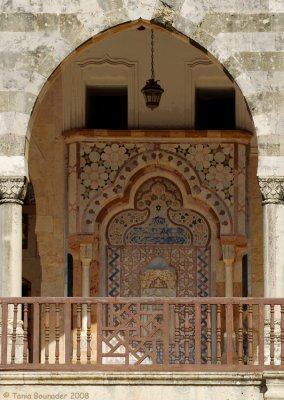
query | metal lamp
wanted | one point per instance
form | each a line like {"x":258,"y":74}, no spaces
{"x":152,"y":91}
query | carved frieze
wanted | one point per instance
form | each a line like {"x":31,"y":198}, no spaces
{"x":13,"y":189}
{"x":272,"y":190}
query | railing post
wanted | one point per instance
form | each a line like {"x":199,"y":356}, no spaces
{"x":218,"y":330}
{"x":261,"y":333}
{"x":4,"y":335}
{"x":229,"y":332}
{"x":68,"y":332}
{"x":166,"y":333}
{"x":177,"y":333}
{"x":240,"y":335}
{"x":36,"y":332}
{"x":99,"y":333}
{"x":197,"y":341}
{"x":209,"y":334}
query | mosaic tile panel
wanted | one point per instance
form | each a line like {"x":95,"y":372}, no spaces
{"x":209,"y":169}
{"x":113,"y":272}
{"x":158,"y":228}
{"x":155,"y":221}
{"x":125,"y":266}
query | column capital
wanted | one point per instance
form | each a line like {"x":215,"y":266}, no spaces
{"x":13,"y":189}
{"x":86,"y":252}
{"x":229,"y":253}
{"x":272,"y":189}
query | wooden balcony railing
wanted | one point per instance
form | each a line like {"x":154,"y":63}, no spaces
{"x":142,"y":333}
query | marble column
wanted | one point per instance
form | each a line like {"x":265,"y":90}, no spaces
{"x":12,"y":194}
{"x":272,"y":190}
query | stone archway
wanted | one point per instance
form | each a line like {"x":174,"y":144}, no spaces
{"x":158,"y":15}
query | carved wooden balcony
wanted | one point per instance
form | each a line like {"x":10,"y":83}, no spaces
{"x":185,"y":334}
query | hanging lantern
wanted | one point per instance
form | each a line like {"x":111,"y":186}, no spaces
{"x":152,"y":91}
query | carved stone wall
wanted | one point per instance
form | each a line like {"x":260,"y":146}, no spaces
{"x":214,"y":172}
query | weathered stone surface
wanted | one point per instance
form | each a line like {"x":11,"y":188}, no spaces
{"x":137,"y":385}
{"x":72,"y":29}
{"x":11,"y":145}
{"x":263,"y":101}
{"x":12,"y":122}
{"x":244,"y":35}
{"x":225,"y":22}
{"x":164,"y":14}
{"x":254,"y":61}
{"x":13,"y":166}
{"x":226,"y":44}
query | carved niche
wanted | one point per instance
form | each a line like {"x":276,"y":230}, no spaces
{"x":158,"y":247}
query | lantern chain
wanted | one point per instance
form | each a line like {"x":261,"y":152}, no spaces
{"x":152,"y":54}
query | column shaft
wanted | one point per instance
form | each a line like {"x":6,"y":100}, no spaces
{"x":272,"y":190}
{"x":12,"y":193}
{"x":11,"y":250}
{"x":273,"y":250}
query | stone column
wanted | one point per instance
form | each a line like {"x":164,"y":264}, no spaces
{"x":86,"y":256}
{"x":272,"y":190}
{"x":228,"y":258}
{"x":12,"y":194}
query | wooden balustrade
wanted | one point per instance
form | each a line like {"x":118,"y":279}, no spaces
{"x":236,"y":334}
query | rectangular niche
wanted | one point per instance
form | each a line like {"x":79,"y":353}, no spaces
{"x":107,"y":107}
{"x":215,"y":109}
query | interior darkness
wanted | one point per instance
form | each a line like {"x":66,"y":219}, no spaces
{"x":215,"y":109}
{"x":245,"y":276}
{"x":26,"y":288}
{"x":69,"y":275}
{"x":107,"y":107}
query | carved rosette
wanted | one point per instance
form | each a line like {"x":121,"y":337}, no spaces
{"x":13,"y":189}
{"x":272,"y":190}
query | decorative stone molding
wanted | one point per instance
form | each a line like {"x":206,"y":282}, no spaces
{"x":229,"y":253}
{"x":272,"y":190}
{"x":13,"y":189}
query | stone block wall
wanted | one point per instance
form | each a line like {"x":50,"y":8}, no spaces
{"x":246,"y":37}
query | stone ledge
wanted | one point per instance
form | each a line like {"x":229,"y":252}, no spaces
{"x":132,"y":378}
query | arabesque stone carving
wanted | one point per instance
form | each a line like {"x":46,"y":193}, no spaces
{"x":272,"y":190}
{"x":13,"y":189}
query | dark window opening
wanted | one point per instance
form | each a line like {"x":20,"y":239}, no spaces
{"x":26,"y":288}
{"x":107,"y":107}
{"x":215,"y":109}
{"x":245,"y":276}
{"x":69,"y":275}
